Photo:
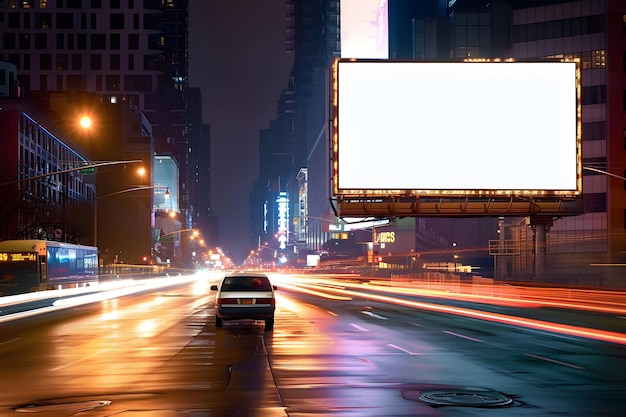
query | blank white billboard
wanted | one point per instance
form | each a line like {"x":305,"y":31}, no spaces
{"x":456,"y":127}
{"x":364,"y":29}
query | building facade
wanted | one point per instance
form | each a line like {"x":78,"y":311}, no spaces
{"x":8,"y":79}
{"x":44,"y":197}
{"x":131,"y":54}
{"x":593,"y":32}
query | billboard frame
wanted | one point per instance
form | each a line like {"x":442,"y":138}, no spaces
{"x":453,"y":202}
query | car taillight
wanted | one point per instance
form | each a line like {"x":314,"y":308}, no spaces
{"x":221,"y":301}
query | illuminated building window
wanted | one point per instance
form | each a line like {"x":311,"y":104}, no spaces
{"x":598,"y":58}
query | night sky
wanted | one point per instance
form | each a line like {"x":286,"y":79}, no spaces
{"x":237,"y":58}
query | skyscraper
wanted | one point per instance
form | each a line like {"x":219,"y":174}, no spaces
{"x":590,"y":31}
{"x":130,"y":53}
{"x":85,"y":53}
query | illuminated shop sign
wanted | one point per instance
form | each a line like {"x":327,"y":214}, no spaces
{"x":282,"y":202}
{"x":386,"y":237}
{"x":364,"y":29}
{"x":17,"y":257}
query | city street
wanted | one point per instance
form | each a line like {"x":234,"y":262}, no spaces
{"x":157,"y":353}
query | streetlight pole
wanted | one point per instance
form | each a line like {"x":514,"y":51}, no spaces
{"x":64,"y":174}
{"x":195,"y":233}
{"x":25,"y":127}
{"x":95,"y":208}
{"x":180,"y":231}
{"x":605,"y":173}
{"x":74,"y":169}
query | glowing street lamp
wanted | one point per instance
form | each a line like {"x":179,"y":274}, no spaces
{"x":64,"y":173}
{"x":85,"y":122}
{"x":31,"y":125}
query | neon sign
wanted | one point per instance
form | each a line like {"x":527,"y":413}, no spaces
{"x":282,"y":202}
{"x":17,"y":257}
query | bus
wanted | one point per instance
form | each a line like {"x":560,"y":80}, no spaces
{"x":39,"y":265}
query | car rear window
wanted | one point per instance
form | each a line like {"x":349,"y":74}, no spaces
{"x":246,"y":284}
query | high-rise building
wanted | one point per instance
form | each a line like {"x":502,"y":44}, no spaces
{"x":593,"y":32}
{"x":298,"y":133}
{"x":583,"y":248}
{"x":132,"y":54}
{"x":44,"y":196}
{"x":588,"y":30}
{"x":199,"y":191}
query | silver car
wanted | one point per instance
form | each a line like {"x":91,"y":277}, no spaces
{"x":245,"y":296}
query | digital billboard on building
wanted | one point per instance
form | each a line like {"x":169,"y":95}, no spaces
{"x":364,"y":29}
{"x":456,"y":129}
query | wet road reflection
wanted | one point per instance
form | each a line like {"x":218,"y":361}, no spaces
{"x":337,"y":348}
{"x":152,"y":353}
{"x":470,"y":301}
{"x":378,"y":349}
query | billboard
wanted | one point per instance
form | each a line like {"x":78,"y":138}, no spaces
{"x":364,"y":29}
{"x":456,"y":129}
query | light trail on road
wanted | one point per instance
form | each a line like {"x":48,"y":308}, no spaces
{"x":63,"y":299}
{"x":371,"y":292}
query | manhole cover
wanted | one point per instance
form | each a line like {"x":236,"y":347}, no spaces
{"x":71,"y":407}
{"x":466,"y":397}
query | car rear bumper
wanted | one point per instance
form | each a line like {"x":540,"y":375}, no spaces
{"x":245,"y":312}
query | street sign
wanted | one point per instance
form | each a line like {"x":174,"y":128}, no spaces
{"x":87,"y":171}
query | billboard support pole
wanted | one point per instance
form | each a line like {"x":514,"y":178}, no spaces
{"x":541,"y":225}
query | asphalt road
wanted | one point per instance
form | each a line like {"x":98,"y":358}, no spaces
{"x":157,"y":353}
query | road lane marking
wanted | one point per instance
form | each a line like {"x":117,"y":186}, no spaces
{"x":10,"y":341}
{"x":331,"y":313}
{"x":402,"y":349}
{"x":463,"y":336}
{"x":84,"y":358}
{"x":543,"y":358}
{"x":553,"y":328}
{"x":374,"y":315}
{"x":356,"y":326}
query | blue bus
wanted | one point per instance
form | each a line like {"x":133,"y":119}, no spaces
{"x":39,"y":265}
